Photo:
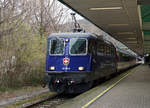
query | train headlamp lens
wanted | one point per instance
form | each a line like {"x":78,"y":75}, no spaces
{"x":52,"y":68}
{"x":81,"y":68}
{"x":67,"y":40}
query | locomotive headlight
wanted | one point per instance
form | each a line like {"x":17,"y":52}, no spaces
{"x":67,"y":40}
{"x":81,"y":68}
{"x":52,"y":68}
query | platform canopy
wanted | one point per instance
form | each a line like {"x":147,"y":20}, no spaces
{"x":120,"y":18}
{"x":143,"y":2}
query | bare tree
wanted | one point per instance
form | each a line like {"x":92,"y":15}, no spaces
{"x":12,"y":14}
{"x":47,"y":16}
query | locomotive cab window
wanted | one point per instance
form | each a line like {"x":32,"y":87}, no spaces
{"x":78,"y":46}
{"x":56,"y":47}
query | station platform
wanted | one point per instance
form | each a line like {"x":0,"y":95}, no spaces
{"x":129,"y":90}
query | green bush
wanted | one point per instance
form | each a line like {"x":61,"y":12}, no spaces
{"x":29,"y":49}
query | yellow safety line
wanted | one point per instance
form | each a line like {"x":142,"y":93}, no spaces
{"x":102,"y":93}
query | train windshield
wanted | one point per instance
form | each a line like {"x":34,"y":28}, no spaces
{"x":57,"y":46}
{"x":78,"y":46}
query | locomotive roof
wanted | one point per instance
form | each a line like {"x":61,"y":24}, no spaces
{"x":79,"y":34}
{"x":72,"y":35}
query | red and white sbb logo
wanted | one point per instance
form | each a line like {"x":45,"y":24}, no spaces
{"x":66,"y":61}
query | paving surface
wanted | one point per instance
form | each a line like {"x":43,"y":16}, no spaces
{"x":131,"y":92}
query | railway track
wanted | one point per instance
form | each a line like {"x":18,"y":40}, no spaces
{"x":46,"y":99}
{"x":42,"y":100}
{"x":53,"y":102}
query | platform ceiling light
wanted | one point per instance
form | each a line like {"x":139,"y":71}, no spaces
{"x":128,"y":33}
{"x":132,"y":38}
{"x":132,"y":42}
{"x":118,"y":24}
{"x":106,"y":8}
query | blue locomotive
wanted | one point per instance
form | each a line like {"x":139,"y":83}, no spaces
{"x":74,"y":61}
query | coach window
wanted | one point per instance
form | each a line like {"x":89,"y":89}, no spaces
{"x":112,"y":51}
{"x":100,"y":49}
{"x":107,"y":50}
{"x":56,"y":47}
